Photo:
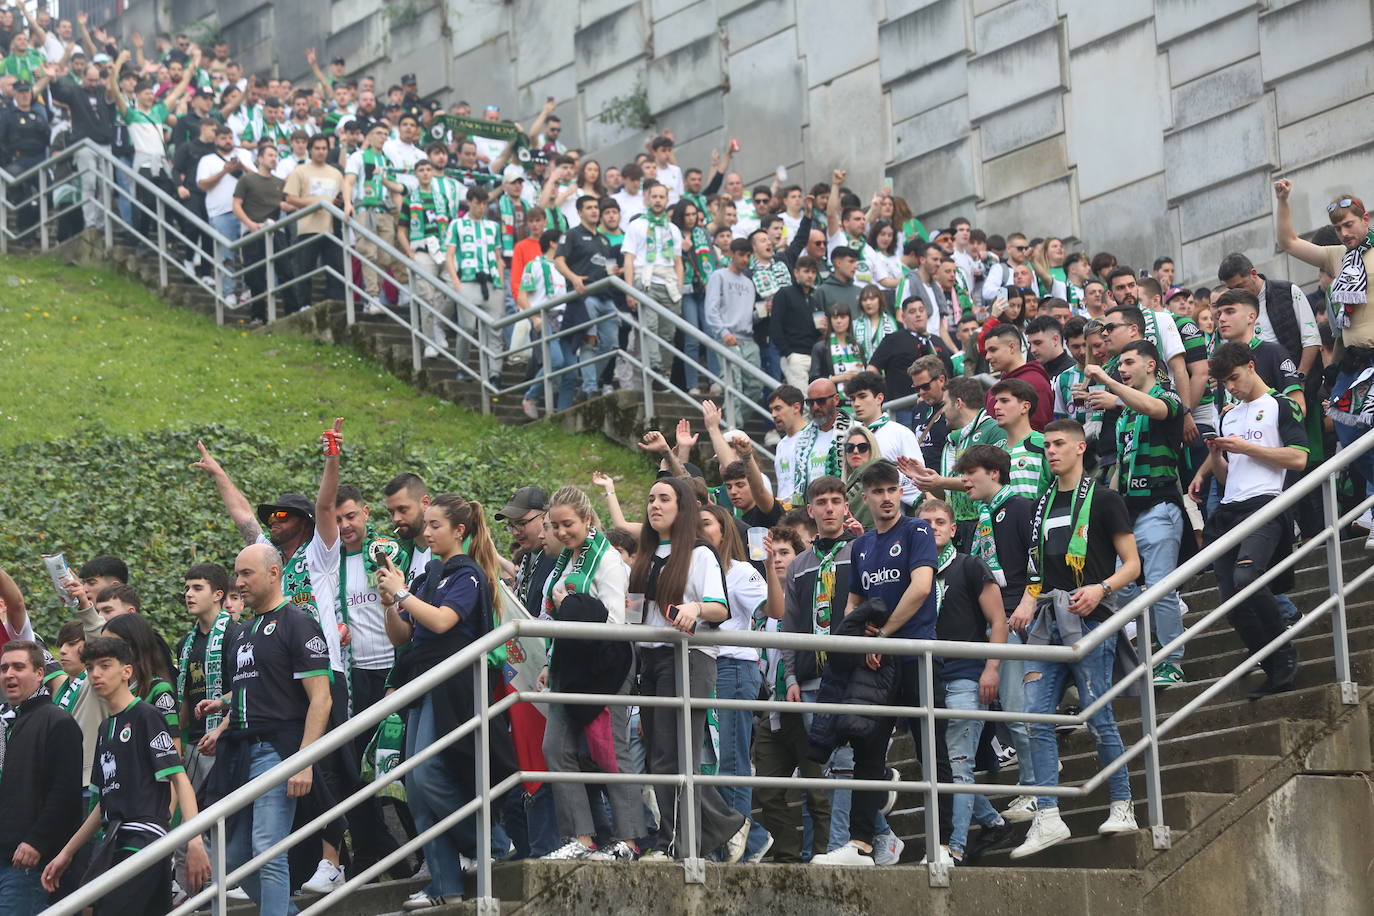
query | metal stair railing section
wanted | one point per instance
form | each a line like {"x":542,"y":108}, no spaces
{"x":427,"y":301}
{"x":213,"y":818}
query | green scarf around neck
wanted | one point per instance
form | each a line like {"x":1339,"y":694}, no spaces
{"x":214,"y":665}
{"x":582,"y":571}
{"x":942,"y":561}
{"x":984,"y":538}
{"x":1080,"y":511}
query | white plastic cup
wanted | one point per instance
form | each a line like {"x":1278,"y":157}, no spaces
{"x":756,"y":549}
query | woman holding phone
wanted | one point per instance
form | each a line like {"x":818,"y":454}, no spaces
{"x":683,"y":587}
{"x":590,"y":567}
{"x":448,"y":606}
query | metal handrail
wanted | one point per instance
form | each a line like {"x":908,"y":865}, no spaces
{"x":474,"y":655}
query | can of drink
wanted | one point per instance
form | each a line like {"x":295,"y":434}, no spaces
{"x":61,"y":573}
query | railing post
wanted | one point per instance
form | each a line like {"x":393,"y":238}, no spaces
{"x":350,"y":302}
{"x":219,"y":870}
{"x":486,"y":903}
{"x":43,"y":208}
{"x":105,"y":172}
{"x":483,"y":366}
{"x":1154,"y":793}
{"x":271,"y":275}
{"x":645,"y":363}
{"x":5,"y":222}
{"x":161,"y":245}
{"x":548,"y":367}
{"x":415,"y":347}
{"x":693,"y":863}
{"x":1335,"y":579}
{"x":936,"y":867}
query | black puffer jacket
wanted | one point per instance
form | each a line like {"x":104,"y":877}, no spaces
{"x":848,"y":679}
{"x":587,"y":665}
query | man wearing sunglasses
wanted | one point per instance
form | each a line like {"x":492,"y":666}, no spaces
{"x":524,"y":518}
{"x":819,"y":442}
{"x":1000,"y":275}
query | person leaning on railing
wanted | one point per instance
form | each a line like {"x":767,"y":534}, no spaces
{"x":677,"y":574}
{"x":449,"y":606}
{"x":588,"y":583}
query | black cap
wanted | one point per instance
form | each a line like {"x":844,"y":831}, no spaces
{"x":408,"y":79}
{"x":525,"y":500}
{"x":206,"y":91}
{"x":23,"y":86}
{"x":294,"y":503}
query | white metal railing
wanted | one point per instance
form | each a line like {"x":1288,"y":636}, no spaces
{"x":180,"y":235}
{"x":472,"y":657}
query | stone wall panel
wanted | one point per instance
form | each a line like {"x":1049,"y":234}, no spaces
{"x":1021,"y":71}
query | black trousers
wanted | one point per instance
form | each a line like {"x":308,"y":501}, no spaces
{"x":149,"y":891}
{"x":1256,"y":620}
{"x":870,"y":756}
{"x":318,"y":249}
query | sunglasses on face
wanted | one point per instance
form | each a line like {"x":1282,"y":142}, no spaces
{"x":1018,"y":247}
{"x":817,"y":402}
{"x":278,"y":516}
{"x":852,"y":447}
{"x":926,"y":387}
{"x":1111,"y":326}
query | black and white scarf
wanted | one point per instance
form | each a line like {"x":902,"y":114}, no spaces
{"x":1351,"y":286}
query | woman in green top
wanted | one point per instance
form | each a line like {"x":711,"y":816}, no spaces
{"x":860,"y":450}
{"x":910,"y":226}
{"x":153,"y":674}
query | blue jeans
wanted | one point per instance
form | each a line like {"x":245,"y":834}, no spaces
{"x":961,"y":739}
{"x":434,"y":792}
{"x":607,"y":331}
{"x":694,"y":313}
{"x":1288,"y":611}
{"x":124,"y":199}
{"x":1158,"y":531}
{"x":530,"y":822}
{"x":1012,"y":695}
{"x":841,"y":800}
{"x":738,"y":679}
{"x":254,"y":831}
{"x":21,"y":891}
{"x":228,"y":225}
{"x":1045,"y":683}
{"x":557,"y":360}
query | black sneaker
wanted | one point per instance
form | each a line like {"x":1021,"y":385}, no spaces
{"x":987,"y":838}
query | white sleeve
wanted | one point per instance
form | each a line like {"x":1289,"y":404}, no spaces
{"x":1169,"y":337}
{"x":705,"y":581}
{"x":748,"y":592}
{"x":1307,"y":321}
{"x":323,"y":564}
{"x":612,"y":585}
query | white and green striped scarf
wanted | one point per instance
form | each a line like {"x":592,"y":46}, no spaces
{"x":214,"y":665}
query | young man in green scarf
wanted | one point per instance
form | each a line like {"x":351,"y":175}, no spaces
{"x":1002,"y":540}
{"x":1081,"y":533}
{"x":476,"y":266}
{"x":968,"y":425}
{"x":1013,"y":402}
{"x":1149,"y":436}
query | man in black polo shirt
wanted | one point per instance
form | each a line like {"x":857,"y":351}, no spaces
{"x":584,"y":257}
{"x":280,"y":704}
{"x":93,"y":117}
{"x":903,"y":347}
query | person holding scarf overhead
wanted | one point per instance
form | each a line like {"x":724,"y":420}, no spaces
{"x":682,"y":586}
{"x":589,"y":574}
{"x":1081,"y":533}
{"x":451,"y":604}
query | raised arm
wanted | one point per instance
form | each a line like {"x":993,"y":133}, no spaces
{"x":326,"y":522}
{"x":314,"y":62}
{"x":763,"y":496}
{"x":235,"y":503}
{"x":1288,"y":238}
{"x":607,"y":486}
{"x":711,"y":419}
{"x":538,"y":126}
{"x":113,"y":86}
{"x":86,"y":41}
{"x":187,"y":72}
{"x":16,"y":613}
{"x":832,"y":204}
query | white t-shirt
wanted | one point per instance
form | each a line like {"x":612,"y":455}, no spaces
{"x":323,"y":565}
{"x":631,"y":205}
{"x":815,"y":467}
{"x":1170,"y":341}
{"x":670,"y":176}
{"x":705,"y":583}
{"x":219,"y":200}
{"x":790,"y":225}
{"x":610,"y":585}
{"x":286,"y":166}
{"x":885,"y":266}
{"x":1302,"y":314}
{"x":372,"y":648}
{"x":785,"y":467}
{"x":896,"y":440}
{"x":418,"y":560}
{"x":404,"y":156}
{"x":747,"y":592}
{"x":637,"y":243}
{"x":1265,"y":421}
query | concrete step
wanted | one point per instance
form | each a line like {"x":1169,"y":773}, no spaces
{"x":1083,"y":849}
{"x":1311,"y":645}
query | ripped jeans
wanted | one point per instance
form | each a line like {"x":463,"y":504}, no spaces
{"x":961,"y":739}
{"x":1044,"y":682}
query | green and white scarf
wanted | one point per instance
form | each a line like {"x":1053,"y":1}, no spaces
{"x":507,"y":211}
{"x":984,"y":537}
{"x":476,"y":243}
{"x":295,"y":583}
{"x":833,"y":462}
{"x":870,"y":332}
{"x":374,"y":192}
{"x":65,"y":699}
{"x":214,"y":665}
{"x":942,"y":561}
{"x":823,"y":595}
{"x":1351,"y":286}
{"x":702,"y":263}
{"x":429,"y":211}
{"x":1080,"y":511}
{"x":400,"y":558}
{"x":582,"y":571}
{"x":658,"y":238}
{"x":382,"y":754}
{"x":844,"y":356}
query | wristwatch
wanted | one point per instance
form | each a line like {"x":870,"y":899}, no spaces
{"x":402,"y":594}
{"x":1106,"y":589}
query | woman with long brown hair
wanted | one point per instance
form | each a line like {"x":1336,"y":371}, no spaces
{"x":683,"y":586}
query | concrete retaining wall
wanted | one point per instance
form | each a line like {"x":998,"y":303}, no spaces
{"x":1145,"y":127}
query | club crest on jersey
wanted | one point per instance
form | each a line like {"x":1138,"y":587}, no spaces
{"x":269,"y":629}
{"x":896,"y":550}
{"x":1001,"y":515}
{"x":125,"y":734}
{"x":317,"y":645}
{"x":1259,"y":416}
{"x":162,"y":742}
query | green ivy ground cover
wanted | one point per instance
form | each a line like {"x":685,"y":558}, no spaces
{"x":104,"y":391}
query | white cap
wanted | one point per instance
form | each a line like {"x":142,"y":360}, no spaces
{"x":513,"y":172}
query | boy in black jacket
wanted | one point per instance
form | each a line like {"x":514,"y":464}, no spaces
{"x":41,"y":783}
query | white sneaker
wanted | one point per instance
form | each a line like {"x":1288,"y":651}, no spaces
{"x":1369,"y":541}
{"x":619,"y":851}
{"x":1046,"y":830}
{"x":887,"y":849}
{"x":1021,"y":809}
{"x":530,"y":408}
{"x":655,"y":855}
{"x":372,"y":308}
{"x":1365,"y":521}
{"x":757,"y":857}
{"x":734,"y":847}
{"x":328,"y":877}
{"x":1121,"y":819}
{"x":237,"y":893}
{"x":573,"y":849}
{"x":469,"y":866}
{"x":430,"y":352}
{"x":245,"y":297}
{"x":848,"y":854}
{"x":422,"y":901}
{"x":946,"y":857}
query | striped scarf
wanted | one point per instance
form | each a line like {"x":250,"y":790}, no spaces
{"x":984,"y":536}
{"x":214,"y":665}
{"x":1351,"y":287}
{"x":703,"y":261}
{"x":582,"y":570}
